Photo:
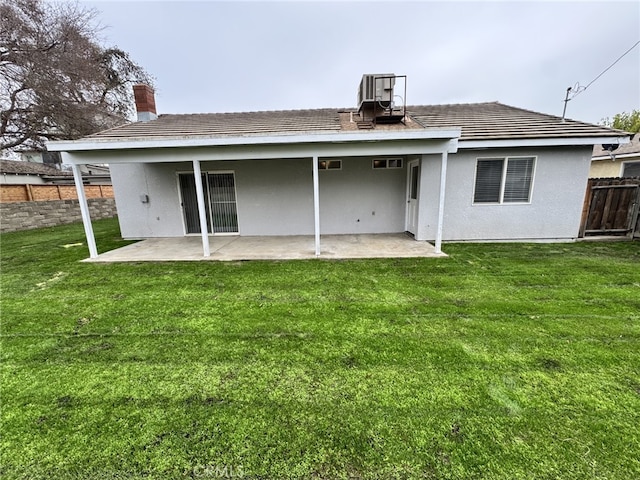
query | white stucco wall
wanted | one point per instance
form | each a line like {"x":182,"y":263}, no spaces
{"x":429,"y":195}
{"x":275,"y":197}
{"x":162,"y":215}
{"x":554,"y":211}
{"x":360,"y":199}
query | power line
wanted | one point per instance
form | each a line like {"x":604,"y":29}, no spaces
{"x":578,"y":89}
{"x":582,"y":89}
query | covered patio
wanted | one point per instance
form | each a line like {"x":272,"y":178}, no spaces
{"x":424,"y":147}
{"x":235,"y":248}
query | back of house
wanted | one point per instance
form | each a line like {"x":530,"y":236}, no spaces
{"x":462,"y":172}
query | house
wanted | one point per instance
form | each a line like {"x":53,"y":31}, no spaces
{"x":22,"y":181}
{"x":13,"y":172}
{"x":616,"y":160}
{"x":467,"y":172}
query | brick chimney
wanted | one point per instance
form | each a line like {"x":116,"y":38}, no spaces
{"x":145,"y":103}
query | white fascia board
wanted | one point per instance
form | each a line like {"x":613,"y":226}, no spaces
{"x":540,"y":142}
{"x":620,"y":156}
{"x":380,"y":136}
{"x":262,"y":152}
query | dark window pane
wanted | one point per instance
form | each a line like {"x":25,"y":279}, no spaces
{"x":414,"y":182}
{"x":190,"y":202}
{"x":518,"y":181}
{"x":222,"y":194}
{"x":631,"y":169}
{"x":488,"y":180}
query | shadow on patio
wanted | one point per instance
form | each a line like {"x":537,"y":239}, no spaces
{"x":397,"y":245}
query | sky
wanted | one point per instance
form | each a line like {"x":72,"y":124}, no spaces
{"x":214,"y":56}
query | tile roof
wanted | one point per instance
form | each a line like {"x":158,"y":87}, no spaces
{"x":478,"y":121}
{"x":492,"y":121}
{"x":229,"y":124}
{"x":30,"y":168}
{"x":631,"y":148}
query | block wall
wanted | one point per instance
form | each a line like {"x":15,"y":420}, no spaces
{"x":15,"y":216}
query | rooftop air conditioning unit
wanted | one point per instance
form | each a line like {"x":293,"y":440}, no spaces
{"x":376,"y":88}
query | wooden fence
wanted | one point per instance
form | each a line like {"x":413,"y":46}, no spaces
{"x":612,"y":207}
{"x":40,"y":193}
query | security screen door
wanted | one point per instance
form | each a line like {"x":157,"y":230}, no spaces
{"x":219,"y":200}
{"x":413,"y":177}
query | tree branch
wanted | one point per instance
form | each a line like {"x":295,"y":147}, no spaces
{"x":63,"y":84}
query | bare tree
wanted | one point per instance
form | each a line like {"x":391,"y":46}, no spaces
{"x":56,"y":80}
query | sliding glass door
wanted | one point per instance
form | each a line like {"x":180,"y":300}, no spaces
{"x":219,"y":200}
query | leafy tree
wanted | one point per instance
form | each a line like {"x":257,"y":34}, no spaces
{"x":57,"y":82}
{"x":629,"y":122}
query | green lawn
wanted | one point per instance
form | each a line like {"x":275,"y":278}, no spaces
{"x":502,"y":361}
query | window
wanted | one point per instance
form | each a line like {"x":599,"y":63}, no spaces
{"x":503,"y":180}
{"x":387,"y":163}
{"x":413,"y":193}
{"x":631,"y":169}
{"x":330,"y":164}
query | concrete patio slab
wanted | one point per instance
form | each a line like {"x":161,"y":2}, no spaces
{"x":233,"y":248}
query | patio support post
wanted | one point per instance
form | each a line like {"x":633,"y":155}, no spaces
{"x":316,"y":205}
{"x":84,"y":211}
{"x":443,"y":181}
{"x":202,"y":212}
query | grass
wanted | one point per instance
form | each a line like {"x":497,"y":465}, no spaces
{"x":504,"y":361}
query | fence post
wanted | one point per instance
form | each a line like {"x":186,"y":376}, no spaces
{"x":586,"y":206}
{"x":635,"y":217}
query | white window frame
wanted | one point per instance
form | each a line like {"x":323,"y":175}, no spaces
{"x":624,"y":165}
{"x":399,"y":163}
{"x":503,"y":180}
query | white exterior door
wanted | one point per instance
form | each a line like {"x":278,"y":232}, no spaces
{"x":413,"y":177}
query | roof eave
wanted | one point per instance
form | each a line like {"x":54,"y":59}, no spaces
{"x":540,"y":142}
{"x":142,"y":143}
